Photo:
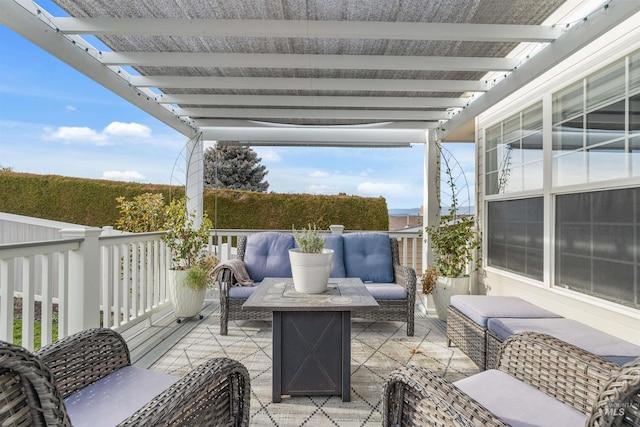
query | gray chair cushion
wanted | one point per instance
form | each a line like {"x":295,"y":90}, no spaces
{"x":116,"y":397}
{"x":481,"y":308}
{"x":368,"y":256}
{"x":267,"y":255}
{"x":242,"y":291}
{"x":337,"y":265}
{"x":593,"y":340}
{"x":386,"y":290}
{"x":518,"y":403}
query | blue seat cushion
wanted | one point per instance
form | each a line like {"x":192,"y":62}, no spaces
{"x":518,"y":403}
{"x":116,"y":397}
{"x":267,"y":255}
{"x":386,"y":290}
{"x":242,"y":291}
{"x":368,"y":256}
{"x":337,"y":265}
{"x":593,"y":340}
{"x":481,"y":308}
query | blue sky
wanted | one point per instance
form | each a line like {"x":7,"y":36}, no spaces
{"x":54,"y":120}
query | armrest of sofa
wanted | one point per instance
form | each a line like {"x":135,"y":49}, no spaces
{"x":619,"y":399}
{"x":85,"y":357}
{"x":556,"y":368}
{"x":215,"y":393}
{"x":423,"y":397}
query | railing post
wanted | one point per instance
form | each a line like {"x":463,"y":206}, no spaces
{"x":336,"y":229}
{"x":84,"y":280}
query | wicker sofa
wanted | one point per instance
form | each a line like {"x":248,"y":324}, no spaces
{"x":373,"y":257}
{"x":539,"y":381}
{"x":87,"y":379}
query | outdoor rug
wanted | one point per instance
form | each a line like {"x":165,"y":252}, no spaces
{"x":377,"y":348}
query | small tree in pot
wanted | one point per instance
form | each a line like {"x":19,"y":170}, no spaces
{"x":453,"y":242}
{"x":190,"y":262}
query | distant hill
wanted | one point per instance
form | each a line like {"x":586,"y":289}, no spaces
{"x":469,"y":210}
{"x":405,"y":212}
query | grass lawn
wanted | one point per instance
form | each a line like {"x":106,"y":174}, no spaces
{"x":17,"y":333}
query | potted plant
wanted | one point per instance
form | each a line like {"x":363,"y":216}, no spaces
{"x":188,"y":274}
{"x":453,"y":242}
{"x":310,"y":261}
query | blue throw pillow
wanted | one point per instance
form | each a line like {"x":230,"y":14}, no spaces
{"x":337,"y":265}
{"x":368,"y":256}
{"x":267,"y":255}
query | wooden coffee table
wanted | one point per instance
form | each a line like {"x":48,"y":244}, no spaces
{"x":311,"y":335}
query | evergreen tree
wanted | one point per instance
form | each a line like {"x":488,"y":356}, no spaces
{"x":238,"y":168}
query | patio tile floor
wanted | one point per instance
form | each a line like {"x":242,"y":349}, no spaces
{"x":377,"y":348}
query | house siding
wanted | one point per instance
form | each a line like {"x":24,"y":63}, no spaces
{"x":615,"y":319}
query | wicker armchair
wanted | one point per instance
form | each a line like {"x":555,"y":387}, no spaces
{"x":607,"y":394}
{"x":394,"y":310}
{"x":33,"y":387}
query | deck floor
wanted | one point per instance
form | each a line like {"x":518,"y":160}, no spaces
{"x":377,"y":348}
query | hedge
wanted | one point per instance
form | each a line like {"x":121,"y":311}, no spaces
{"x":93,"y":202}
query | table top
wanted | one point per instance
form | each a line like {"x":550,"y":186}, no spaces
{"x":279,"y":294}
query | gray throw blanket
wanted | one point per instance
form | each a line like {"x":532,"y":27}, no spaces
{"x":238,"y":271}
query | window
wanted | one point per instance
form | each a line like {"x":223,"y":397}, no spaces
{"x":515,"y":236}
{"x":598,"y":244}
{"x":594,"y":127}
{"x":514,"y":153}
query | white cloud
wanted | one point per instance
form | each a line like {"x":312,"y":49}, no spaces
{"x":321,"y":189}
{"x":319,"y":174}
{"x":123,"y":175}
{"x":78,"y":134}
{"x":70,"y":108}
{"x":367,"y":172}
{"x":127,"y":129}
{"x":268,"y":154}
{"x":379,"y":188}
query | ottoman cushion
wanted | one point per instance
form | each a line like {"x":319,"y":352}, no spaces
{"x":481,"y":308}
{"x":593,"y":340}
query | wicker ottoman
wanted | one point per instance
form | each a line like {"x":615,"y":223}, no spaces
{"x":594,"y":341}
{"x":468,"y":316}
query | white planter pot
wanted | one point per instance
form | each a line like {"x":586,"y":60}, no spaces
{"x":444,"y":289}
{"x":310,"y":271}
{"x":186,"y":302}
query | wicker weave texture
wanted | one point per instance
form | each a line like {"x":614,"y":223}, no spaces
{"x":493,"y":348}
{"x":608,"y":394}
{"x":561,"y":370}
{"x":390,"y":310}
{"x":32,"y":386}
{"x":467,"y":335}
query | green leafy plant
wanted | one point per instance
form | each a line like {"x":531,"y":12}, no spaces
{"x":199,"y":276}
{"x":309,"y":240}
{"x":453,"y":240}
{"x":142,"y":214}
{"x":186,"y":241}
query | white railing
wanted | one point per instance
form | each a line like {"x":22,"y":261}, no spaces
{"x":110,"y":281}
{"x":113,"y":281}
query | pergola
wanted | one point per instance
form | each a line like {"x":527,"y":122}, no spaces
{"x":358,"y":73}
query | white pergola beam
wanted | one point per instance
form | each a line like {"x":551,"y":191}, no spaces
{"x":307,"y":61}
{"x":313,"y":101}
{"x":255,"y":124}
{"x":288,"y":113}
{"x":312,"y":84}
{"x":309,"y":29}
{"x":314,"y":135}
